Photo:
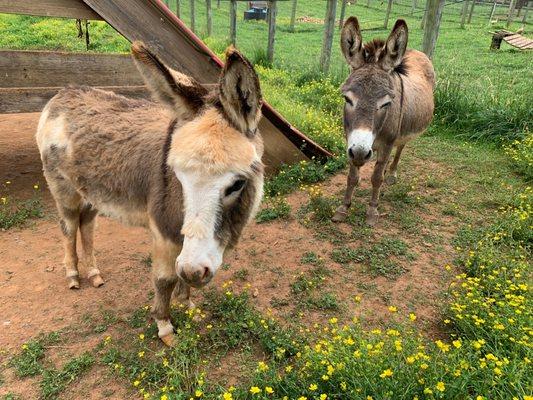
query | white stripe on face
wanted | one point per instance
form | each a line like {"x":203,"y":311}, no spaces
{"x":360,"y":141}
{"x":202,"y":203}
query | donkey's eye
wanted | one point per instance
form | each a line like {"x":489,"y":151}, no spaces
{"x":388,"y":103}
{"x":237,"y":185}
{"x":348,"y":100}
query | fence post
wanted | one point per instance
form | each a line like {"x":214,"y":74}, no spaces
{"x":423,"y":20}
{"x":493,"y":10}
{"x":272,"y":11}
{"x":511,"y":12}
{"x":464,"y":11}
{"x":368,"y":3}
{"x":524,"y":19}
{"x":432,"y":24}
{"x":293,"y":14}
{"x":389,"y":6}
{"x":209,"y":17}
{"x":343,"y":12}
{"x":413,"y":8}
{"x":471,"y":11}
{"x":329,"y":28}
{"x":218,"y":3}
{"x":233,"y":21}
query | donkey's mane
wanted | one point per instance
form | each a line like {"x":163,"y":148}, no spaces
{"x":373,"y":51}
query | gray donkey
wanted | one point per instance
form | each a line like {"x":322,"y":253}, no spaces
{"x":189,"y":169}
{"x":389,"y":101}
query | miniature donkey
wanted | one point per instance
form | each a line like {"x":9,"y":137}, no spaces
{"x":191,"y":171}
{"x":389,"y":101}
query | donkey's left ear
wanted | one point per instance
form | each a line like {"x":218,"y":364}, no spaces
{"x":395,"y":46}
{"x":240,"y":93}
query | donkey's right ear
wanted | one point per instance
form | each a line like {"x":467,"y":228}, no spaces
{"x":352,"y":43}
{"x":181,"y":93}
{"x":240,"y":93}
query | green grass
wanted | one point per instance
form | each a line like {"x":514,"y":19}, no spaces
{"x":19,"y":212}
{"x":276,"y":208}
{"x":55,"y":381}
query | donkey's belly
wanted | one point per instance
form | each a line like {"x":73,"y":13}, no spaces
{"x":126,"y":215}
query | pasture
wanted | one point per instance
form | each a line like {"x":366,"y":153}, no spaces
{"x":433,"y":302}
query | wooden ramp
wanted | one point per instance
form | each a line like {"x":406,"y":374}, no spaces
{"x":512,"y":38}
{"x":164,"y":34}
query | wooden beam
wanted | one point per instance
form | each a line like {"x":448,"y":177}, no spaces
{"x":51,"y":68}
{"x":23,"y":100}
{"x":49,"y":8}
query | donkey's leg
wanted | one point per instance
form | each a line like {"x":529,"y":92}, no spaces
{"x":87,"y":223}
{"x":377,"y":180}
{"x":165,"y":278}
{"x":182,"y":293}
{"x":69,"y":223}
{"x":352,"y":182}
{"x":392,"y":175}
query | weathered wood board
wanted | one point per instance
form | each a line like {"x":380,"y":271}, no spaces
{"x":49,"y":8}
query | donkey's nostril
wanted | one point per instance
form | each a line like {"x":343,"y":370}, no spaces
{"x":350,"y":152}
{"x":206,"y":273}
{"x":368,"y":155}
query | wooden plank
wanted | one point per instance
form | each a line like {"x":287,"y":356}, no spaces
{"x":22,"y":100}
{"x":47,"y":68}
{"x":49,"y":8}
{"x":181,"y":49}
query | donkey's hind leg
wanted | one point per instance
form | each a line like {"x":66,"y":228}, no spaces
{"x":69,"y":222}
{"x":87,"y":223}
{"x":392,"y":174}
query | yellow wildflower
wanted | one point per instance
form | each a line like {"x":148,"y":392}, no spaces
{"x":440,"y":386}
{"x":255,"y":390}
{"x":386,"y":373}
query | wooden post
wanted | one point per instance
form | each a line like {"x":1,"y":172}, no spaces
{"x":209,"y":17}
{"x":464,"y":11}
{"x":368,"y":3}
{"x":413,"y":7}
{"x":233,"y":21}
{"x":293,"y":14}
{"x":471,"y":11}
{"x":493,"y":10}
{"x":424,"y":14}
{"x":329,"y":28}
{"x":193,"y":17}
{"x":432,"y":24}
{"x":343,"y":12}
{"x":218,"y":3}
{"x":272,"y":11}
{"x":524,"y":19}
{"x":387,"y":15}
{"x":511,"y":12}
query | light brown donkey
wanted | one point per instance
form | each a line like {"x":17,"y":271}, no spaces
{"x":190,"y":171}
{"x":389,"y":101}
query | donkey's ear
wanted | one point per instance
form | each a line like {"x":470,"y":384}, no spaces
{"x":240,"y":93}
{"x":352,"y":43}
{"x":395,"y":46}
{"x":180,"y":92}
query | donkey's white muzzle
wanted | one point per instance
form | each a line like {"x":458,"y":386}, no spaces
{"x":360,"y":146}
{"x":198,"y":261}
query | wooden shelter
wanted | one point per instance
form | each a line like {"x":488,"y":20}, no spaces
{"x":28,"y":79}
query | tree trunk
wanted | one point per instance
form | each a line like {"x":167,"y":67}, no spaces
{"x":233,"y":22}
{"x":432,"y":24}
{"x":368,"y":3}
{"x":193,"y":16}
{"x":471,"y":11}
{"x":413,"y":8}
{"x":209,"y":17}
{"x":387,"y":15}
{"x":272,"y":11}
{"x":329,"y":28}
{"x":293,"y":14}
{"x":343,"y":12}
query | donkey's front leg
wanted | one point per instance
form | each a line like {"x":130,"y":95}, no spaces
{"x":182,"y":293}
{"x":165,"y":278}
{"x":352,"y":182}
{"x":377,"y":180}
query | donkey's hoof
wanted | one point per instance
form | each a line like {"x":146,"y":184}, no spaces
{"x":391,"y":179}
{"x":169,"y":339}
{"x":73,"y":283}
{"x":340,"y":214}
{"x":372,"y":216}
{"x":96,"y":280}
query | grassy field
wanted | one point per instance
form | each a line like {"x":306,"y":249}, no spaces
{"x":316,"y":343}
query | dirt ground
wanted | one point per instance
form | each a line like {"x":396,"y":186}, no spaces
{"x":34,"y":296}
